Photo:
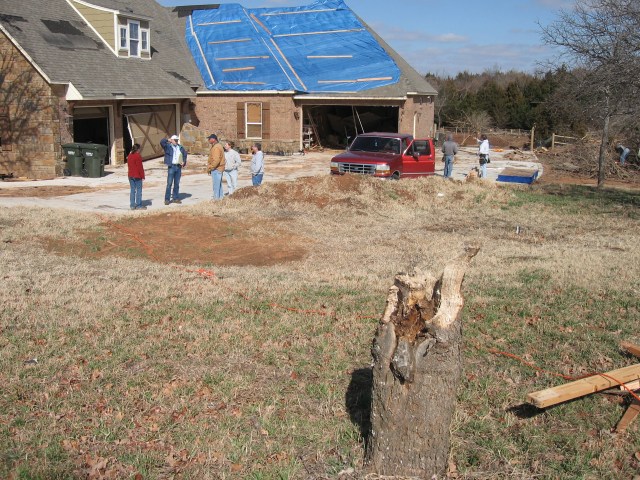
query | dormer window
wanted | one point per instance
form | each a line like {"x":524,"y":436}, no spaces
{"x":133,"y":38}
{"x":126,"y":33}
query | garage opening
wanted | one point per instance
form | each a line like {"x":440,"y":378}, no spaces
{"x":91,"y":125}
{"x":335,"y":126}
{"x":147,"y":125}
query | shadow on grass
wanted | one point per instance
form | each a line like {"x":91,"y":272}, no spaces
{"x":525,"y":410}
{"x":358,"y":400}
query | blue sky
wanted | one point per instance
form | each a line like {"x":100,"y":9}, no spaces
{"x":447,"y":37}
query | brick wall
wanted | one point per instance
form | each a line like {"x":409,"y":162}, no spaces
{"x":219,"y":114}
{"x":418,"y":111}
{"x":29,"y":118}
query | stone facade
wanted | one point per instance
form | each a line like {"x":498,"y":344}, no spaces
{"x":30,"y":127}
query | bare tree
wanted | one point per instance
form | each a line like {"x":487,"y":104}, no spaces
{"x":599,"y":40}
{"x":475,"y":122}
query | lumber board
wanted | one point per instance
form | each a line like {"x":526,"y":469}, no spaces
{"x":579,"y":388}
{"x":632,"y":348}
{"x":629,"y":416}
{"x":631,"y":386}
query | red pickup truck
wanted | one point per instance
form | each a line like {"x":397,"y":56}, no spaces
{"x":387,"y":155}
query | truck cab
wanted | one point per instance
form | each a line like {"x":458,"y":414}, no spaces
{"x":387,"y":155}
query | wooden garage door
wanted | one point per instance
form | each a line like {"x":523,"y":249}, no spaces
{"x":148,"y":128}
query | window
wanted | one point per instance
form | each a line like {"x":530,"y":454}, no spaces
{"x":134,"y":39}
{"x":144,"y":40}
{"x":123,"y":38}
{"x":254,"y":120}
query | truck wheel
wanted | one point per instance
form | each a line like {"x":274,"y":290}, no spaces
{"x":395,"y":176}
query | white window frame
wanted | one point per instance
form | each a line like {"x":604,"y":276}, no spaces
{"x":247,"y":122}
{"x":131,"y":39}
{"x":123,"y":37}
{"x":145,"y":44}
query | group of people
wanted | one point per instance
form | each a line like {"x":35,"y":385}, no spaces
{"x":450,"y":149}
{"x":223,"y":161}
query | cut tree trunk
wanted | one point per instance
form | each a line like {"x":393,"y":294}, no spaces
{"x":416,"y":372}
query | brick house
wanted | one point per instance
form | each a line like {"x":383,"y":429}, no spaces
{"x":101,"y":71}
{"x":296,"y":77}
{"x":117,"y":73}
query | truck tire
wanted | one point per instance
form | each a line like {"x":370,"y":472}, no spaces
{"x":395,"y":176}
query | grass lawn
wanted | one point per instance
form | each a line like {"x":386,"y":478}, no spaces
{"x":198,"y":367}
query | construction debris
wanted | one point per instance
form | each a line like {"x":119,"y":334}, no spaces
{"x":627,"y":378}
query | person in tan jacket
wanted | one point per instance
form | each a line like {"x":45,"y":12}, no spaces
{"x":215,"y":166}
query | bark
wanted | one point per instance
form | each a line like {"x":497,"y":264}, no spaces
{"x":603,"y":147}
{"x":416,"y":372}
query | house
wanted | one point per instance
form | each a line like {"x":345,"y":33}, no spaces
{"x":120,"y":72}
{"x":297,"y":77}
{"x":101,"y":71}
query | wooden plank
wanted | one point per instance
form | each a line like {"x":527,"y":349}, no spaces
{"x":629,"y":416}
{"x":631,"y":386}
{"x":632,"y":348}
{"x":585,"y":386}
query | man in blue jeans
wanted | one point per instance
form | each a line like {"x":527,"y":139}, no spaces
{"x":449,"y":149}
{"x":175,"y":158}
{"x":257,"y":164}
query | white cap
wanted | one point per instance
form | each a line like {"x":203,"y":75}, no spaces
{"x":175,"y":137}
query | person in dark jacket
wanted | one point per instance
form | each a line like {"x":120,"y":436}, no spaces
{"x":136,"y":176}
{"x":175,"y":158}
{"x":449,"y":149}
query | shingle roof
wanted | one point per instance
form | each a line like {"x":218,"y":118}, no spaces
{"x":68,"y":51}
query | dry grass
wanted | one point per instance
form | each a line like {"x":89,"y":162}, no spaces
{"x":262,"y":372}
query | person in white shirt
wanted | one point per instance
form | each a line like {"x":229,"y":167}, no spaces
{"x":483,"y":154}
{"x":231,"y":165}
{"x":257,"y":164}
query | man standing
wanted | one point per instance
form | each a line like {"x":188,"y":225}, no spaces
{"x":175,"y":158}
{"x":215,"y":166}
{"x":450,"y":149}
{"x":483,"y":154}
{"x":257,"y":164}
{"x":232,"y":163}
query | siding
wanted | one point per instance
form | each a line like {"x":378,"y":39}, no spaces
{"x":100,"y":20}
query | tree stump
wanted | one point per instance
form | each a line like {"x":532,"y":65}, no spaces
{"x":416,"y":372}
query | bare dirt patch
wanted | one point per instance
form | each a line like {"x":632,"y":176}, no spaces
{"x":187,"y":240}
{"x":44,"y":191}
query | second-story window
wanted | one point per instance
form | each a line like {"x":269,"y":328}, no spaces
{"x":123,"y":38}
{"x":134,"y":39}
{"x":144,"y":40}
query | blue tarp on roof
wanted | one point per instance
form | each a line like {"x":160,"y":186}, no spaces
{"x":321,"y":47}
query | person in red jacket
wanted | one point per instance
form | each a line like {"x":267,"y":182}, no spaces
{"x":136,"y":176}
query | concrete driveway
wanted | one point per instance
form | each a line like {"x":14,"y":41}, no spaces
{"x":111,"y":192}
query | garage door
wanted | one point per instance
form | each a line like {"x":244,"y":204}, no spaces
{"x":149,"y":127}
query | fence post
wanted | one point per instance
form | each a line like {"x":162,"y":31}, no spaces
{"x":531,"y":145}
{"x":553,"y":140}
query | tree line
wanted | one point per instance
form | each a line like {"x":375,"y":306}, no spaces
{"x":507,"y":100}
{"x":593,"y":84}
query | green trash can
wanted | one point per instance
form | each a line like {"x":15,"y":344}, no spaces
{"x":95,"y":156}
{"x":74,"y":159}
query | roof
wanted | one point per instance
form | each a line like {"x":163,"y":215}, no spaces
{"x":66,"y":50}
{"x":321,"y":49}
